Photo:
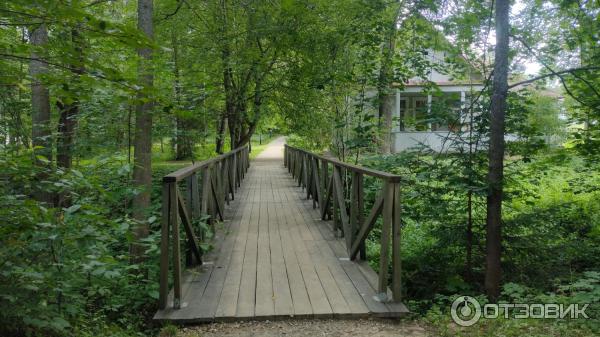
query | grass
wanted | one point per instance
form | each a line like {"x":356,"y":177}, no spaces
{"x":163,"y":160}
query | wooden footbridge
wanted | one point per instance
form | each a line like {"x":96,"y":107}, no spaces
{"x":275,"y":252}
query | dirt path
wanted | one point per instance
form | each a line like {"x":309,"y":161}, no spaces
{"x":309,"y":328}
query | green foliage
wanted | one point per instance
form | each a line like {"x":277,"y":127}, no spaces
{"x":583,"y":290}
{"x":310,"y":69}
{"x":311,"y":144}
{"x":68,"y":271}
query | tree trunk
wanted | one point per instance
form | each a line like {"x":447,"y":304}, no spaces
{"x":69,"y":111}
{"x":384,"y":87}
{"x":245,"y":137}
{"x":142,"y":170}
{"x":468,"y":274}
{"x":66,"y":126}
{"x":228,"y":85}
{"x":183,"y":148}
{"x":40,"y":109}
{"x":220,"y":139}
{"x":493,"y":272}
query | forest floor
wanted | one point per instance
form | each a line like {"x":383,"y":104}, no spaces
{"x":309,"y":328}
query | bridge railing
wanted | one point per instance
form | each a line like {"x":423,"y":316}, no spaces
{"x":338,"y":190}
{"x":209,"y":184}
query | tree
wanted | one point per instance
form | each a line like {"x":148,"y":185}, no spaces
{"x":40,"y":105}
{"x":495,"y":177}
{"x":69,"y":104}
{"x":385,"y":92}
{"x":142,"y":171}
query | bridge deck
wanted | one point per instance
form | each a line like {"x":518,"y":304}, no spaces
{"x":275,"y":257}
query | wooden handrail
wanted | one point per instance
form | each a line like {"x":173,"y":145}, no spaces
{"x":188,"y":170}
{"x":342,"y":200}
{"x":364,"y":170}
{"x":209,"y":184}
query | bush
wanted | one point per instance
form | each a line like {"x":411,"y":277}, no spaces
{"x":67,"y":271}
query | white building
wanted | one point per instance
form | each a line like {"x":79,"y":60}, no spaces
{"x":412,"y":113}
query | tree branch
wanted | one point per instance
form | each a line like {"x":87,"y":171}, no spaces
{"x":179,"y":4}
{"x":552,"y":74}
{"x":60,"y":66}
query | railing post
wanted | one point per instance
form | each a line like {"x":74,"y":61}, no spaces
{"x":233,"y":173}
{"x":206,"y":193}
{"x":192,"y":204}
{"x":163,"y":289}
{"x":305,"y":168}
{"x":219,"y":193}
{"x":388,"y":210}
{"x":238,"y":168}
{"x":316,"y":182}
{"x":396,"y":253}
{"x":354,"y":205}
{"x":361,"y":214}
{"x":323,"y":184}
{"x":334,"y":202}
{"x":174,"y":220}
{"x":220,"y":176}
{"x":309,"y":177}
{"x":226,"y":178}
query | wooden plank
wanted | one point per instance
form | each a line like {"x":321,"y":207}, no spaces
{"x":194,"y":286}
{"x":396,"y":309}
{"x":300,"y":228}
{"x":364,"y":288}
{"x":334,"y":257}
{"x":282,"y":296}
{"x":365,"y":292}
{"x":318,"y":299}
{"x":264,"y":282}
{"x":334,"y":295}
{"x":247,"y":293}
{"x":229,"y":296}
{"x":206,"y":305}
{"x":355,"y":302}
{"x":300,"y":299}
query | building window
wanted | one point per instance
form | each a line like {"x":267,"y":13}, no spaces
{"x":403,"y":112}
{"x":421,"y":114}
{"x":442,"y":115}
